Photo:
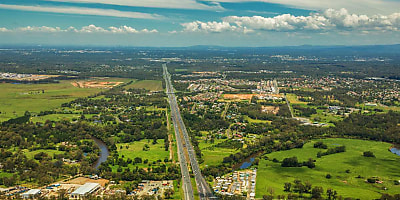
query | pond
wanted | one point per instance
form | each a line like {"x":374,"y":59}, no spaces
{"x":395,"y":151}
{"x":104,"y":153}
{"x":247,"y":162}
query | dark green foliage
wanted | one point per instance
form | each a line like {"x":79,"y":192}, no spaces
{"x":320,"y":145}
{"x":290,"y":162}
{"x":368,"y":154}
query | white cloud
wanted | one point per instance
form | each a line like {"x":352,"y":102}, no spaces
{"x":83,"y":11}
{"x":331,"y":19}
{"x":215,"y":27}
{"x":355,"y":6}
{"x":175,"y":4}
{"x":2,"y":30}
{"x":85,"y":29}
{"x":44,"y":29}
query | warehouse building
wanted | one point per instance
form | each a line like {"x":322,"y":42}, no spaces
{"x":84,"y":190}
{"x":31,"y":194}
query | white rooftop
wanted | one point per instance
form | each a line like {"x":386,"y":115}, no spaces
{"x":32,"y":192}
{"x":87,"y":188}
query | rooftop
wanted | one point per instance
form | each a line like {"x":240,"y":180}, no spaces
{"x":32,"y":192}
{"x":87,"y":188}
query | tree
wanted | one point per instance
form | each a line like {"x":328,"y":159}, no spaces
{"x":287,"y":187}
{"x":317,"y":192}
{"x":330,"y":193}
{"x":168,"y":193}
{"x":290,"y":162}
{"x":328,"y":176}
{"x":368,"y":154}
{"x":307,"y":186}
{"x":62,"y":194}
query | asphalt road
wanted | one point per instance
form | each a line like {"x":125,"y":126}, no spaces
{"x":184,"y":145}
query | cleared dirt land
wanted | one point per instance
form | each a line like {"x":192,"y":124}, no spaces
{"x":96,"y":84}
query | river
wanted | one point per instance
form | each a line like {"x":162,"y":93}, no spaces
{"x":104,"y":153}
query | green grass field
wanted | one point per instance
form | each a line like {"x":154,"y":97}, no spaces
{"x":213,"y":156}
{"x":152,"y":85}
{"x":50,"y":152}
{"x":293,"y":99}
{"x":258,"y":121}
{"x":135,"y":149}
{"x":15,"y":99}
{"x":385,"y":166}
{"x":181,"y":70}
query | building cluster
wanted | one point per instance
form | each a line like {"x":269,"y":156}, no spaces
{"x":206,"y":96}
{"x":152,"y":187}
{"x":73,"y":191}
{"x":369,"y":89}
{"x":82,"y":187}
{"x":269,"y":86}
{"x":24,"y":77}
{"x":14,"y":76}
{"x":237,"y":183}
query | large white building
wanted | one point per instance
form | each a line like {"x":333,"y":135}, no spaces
{"x":31,"y":193}
{"x":84,"y":190}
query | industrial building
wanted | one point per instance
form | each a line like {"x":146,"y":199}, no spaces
{"x":84,"y":190}
{"x":31,"y":193}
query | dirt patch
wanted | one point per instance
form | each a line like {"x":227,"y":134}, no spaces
{"x":96,"y":84}
{"x":239,"y":96}
{"x":270,"y":109}
{"x":83,"y":180}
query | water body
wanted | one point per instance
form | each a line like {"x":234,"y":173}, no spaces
{"x":395,"y":151}
{"x":104,"y":153}
{"x":247,"y":162}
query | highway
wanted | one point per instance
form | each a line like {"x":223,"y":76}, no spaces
{"x":185,"y":147}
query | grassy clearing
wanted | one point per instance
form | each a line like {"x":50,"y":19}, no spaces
{"x":215,"y":155}
{"x":327,"y":118}
{"x":385,"y":166}
{"x":135,"y":149}
{"x":257,"y":121}
{"x":50,"y":152}
{"x":379,"y":106}
{"x":293,"y":99}
{"x":15,"y":99}
{"x":152,"y":85}
{"x":181,"y":70}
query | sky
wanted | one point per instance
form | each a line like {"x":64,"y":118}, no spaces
{"x":176,"y":23}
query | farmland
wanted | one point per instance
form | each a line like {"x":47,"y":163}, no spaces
{"x":15,"y":99}
{"x":152,"y":85}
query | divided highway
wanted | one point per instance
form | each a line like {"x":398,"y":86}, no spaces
{"x":185,"y":147}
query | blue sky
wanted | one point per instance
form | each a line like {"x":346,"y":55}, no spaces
{"x":191,"y":22}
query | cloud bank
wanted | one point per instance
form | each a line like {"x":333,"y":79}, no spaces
{"x":83,"y":11}
{"x":330,"y":19}
{"x":174,"y":4}
{"x":85,"y":29}
{"x":355,"y":6}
